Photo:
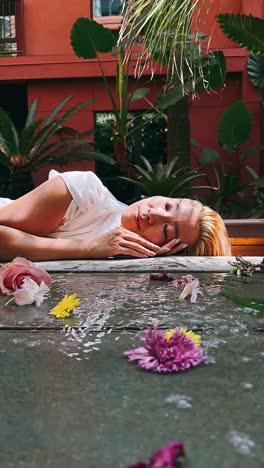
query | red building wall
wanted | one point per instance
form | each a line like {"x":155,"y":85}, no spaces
{"x":52,"y":71}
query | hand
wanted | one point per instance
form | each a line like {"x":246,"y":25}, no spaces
{"x":120,"y":241}
{"x":172,"y":247}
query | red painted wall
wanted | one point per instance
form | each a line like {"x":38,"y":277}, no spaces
{"x":52,"y":71}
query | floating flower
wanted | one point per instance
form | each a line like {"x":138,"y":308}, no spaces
{"x":169,"y":456}
{"x":161,"y":277}
{"x":159,"y":354}
{"x":65,"y":306}
{"x":193,"y":336}
{"x":31,"y":292}
{"x":24,"y":281}
{"x":190,"y":285}
{"x":192,"y":289}
{"x":13,"y":274}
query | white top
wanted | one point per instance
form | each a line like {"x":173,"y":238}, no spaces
{"x":92,"y":211}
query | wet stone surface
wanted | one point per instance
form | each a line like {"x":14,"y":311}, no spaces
{"x":70,"y":398}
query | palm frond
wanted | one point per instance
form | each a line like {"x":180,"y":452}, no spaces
{"x":10,"y":140}
{"x":57,"y":110}
{"x":69,"y":156}
{"x":32,"y":113}
{"x":26,"y":137}
{"x":163,"y":24}
{"x":4,"y":160}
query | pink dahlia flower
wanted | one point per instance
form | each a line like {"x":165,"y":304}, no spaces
{"x":159,"y":354}
{"x":169,"y":456}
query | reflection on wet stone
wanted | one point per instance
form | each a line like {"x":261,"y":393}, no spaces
{"x":115,"y":410}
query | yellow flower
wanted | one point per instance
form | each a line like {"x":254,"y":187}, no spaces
{"x":65,"y":306}
{"x":194,"y":336}
{"x":190,"y":334}
{"x":169,"y":334}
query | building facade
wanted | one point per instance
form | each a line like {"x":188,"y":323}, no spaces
{"x":37,"y":60}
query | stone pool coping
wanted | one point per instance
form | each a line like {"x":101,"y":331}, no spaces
{"x":134,"y":265}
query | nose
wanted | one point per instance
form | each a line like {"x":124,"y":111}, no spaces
{"x":156,"y":215}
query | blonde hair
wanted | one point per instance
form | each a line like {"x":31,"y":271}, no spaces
{"x":213,"y":239}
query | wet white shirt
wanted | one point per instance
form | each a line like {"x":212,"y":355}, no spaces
{"x":92,"y":211}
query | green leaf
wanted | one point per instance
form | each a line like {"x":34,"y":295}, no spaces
{"x":139,"y":94}
{"x":10,"y":140}
{"x":32,"y":113}
{"x":88,"y":38}
{"x":174,"y":94}
{"x":258,"y":182}
{"x":257,"y":304}
{"x":57,"y":109}
{"x":208,"y":155}
{"x":234,"y":126}
{"x":252,"y":150}
{"x":212,"y":70}
{"x":26,"y":137}
{"x":256,"y":70}
{"x":4,"y":160}
{"x":245,"y":30}
{"x":75,"y":155}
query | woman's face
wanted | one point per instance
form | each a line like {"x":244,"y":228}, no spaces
{"x":162,"y":219}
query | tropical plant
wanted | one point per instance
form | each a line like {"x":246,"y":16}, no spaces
{"x":164,"y":29}
{"x":164,"y":179}
{"x":41,"y":142}
{"x":248,"y":32}
{"x":165,"y":26}
{"x":208,"y":72}
{"x":231,"y":197}
{"x":245,"y":30}
{"x":88,"y":38}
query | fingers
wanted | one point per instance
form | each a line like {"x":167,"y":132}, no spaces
{"x":176,"y":249}
{"x":132,"y":253}
{"x":137,"y":248}
{"x":135,"y":238}
{"x":167,"y":247}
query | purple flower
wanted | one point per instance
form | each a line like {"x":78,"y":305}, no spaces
{"x":159,"y":354}
{"x":161,"y":277}
{"x":169,"y":456}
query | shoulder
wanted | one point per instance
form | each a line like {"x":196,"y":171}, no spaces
{"x":84,"y":186}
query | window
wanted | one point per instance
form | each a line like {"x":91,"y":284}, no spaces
{"x":107,"y":8}
{"x":10,"y":27}
{"x":149,"y":140}
{"x":108,"y":13}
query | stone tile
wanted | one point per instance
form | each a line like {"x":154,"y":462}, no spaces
{"x":114,"y":265}
{"x":63,"y":406}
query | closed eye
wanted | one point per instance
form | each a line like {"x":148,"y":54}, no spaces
{"x":167,"y":206}
{"x":165,"y":232}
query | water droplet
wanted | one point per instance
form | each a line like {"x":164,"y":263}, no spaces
{"x":241,"y":442}
{"x":180,"y":401}
{"x":247,"y":385}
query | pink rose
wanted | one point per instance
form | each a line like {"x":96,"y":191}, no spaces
{"x":12,"y":275}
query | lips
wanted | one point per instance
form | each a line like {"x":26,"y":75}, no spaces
{"x":137,"y":219}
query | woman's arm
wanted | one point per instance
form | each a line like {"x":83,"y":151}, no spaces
{"x":14,"y":242}
{"x":24,"y":221}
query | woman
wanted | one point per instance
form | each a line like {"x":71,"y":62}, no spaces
{"x":73,"y":215}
